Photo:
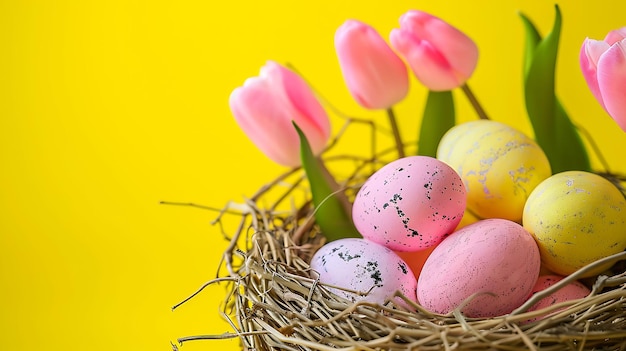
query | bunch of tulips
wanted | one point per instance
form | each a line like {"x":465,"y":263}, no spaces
{"x":280,"y":113}
{"x":440,"y":56}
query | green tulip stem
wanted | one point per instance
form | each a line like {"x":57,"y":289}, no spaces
{"x":472,"y":99}
{"x":396,"y":132}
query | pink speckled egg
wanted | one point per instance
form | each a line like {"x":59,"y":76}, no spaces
{"x":494,"y":261}
{"x":364,"y":266}
{"x":572,"y":291}
{"x":410,"y":204}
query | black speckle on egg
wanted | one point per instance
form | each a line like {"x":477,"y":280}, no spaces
{"x":395,"y":198}
{"x":403,"y":268}
{"x":335,"y":249}
{"x":400,"y":212}
{"x":372,"y":267}
{"x":346,"y":256}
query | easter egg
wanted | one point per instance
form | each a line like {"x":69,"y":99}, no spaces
{"x":410,"y":204}
{"x":361,"y":270}
{"x":577,"y":218}
{"x":571,"y":291}
{"x":487,"y":269}
{"x":499,"y":165}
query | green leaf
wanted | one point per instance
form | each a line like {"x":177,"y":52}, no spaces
{"x":332,"y":208}
{"x":532,"y":40}
{"x":554,"y":131}
{"x":438,"y":118}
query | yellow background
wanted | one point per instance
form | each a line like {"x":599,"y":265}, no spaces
{"x":108,"y":107}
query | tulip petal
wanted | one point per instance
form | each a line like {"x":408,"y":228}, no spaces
{"x":440,"y":56}
{"x":428,"y":65}
{"x":614,"y":36}
{"x":460,"y":51}
{"x":612,"y":81}
{"x":376,"y":77}
{"x":307,"y":109}
{"x":589,"y":55}
{"x":265,"y":106}
{"x":254,"y":109}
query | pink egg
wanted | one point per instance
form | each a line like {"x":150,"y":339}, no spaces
{"x":572,"y":291}
{"x":494,"y":261}
{"x":362,"y":265}
{"x":410,"y":204}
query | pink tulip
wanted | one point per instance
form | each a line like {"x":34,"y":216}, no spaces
{"x":603,"y":64}
{"x":265,"y":106}
{"x":441,"y":56}
{"x":376,"y":77}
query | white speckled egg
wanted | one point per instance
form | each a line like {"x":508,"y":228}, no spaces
{"x":496,"y":260}
{"x":364,"y":266}
{"x":410,"y":204}
{"x":572,"y":291}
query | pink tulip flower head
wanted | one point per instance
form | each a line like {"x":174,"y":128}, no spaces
{"x":376,"y":77}
{"x":603,"y":63}
{"x":265,"y":107}
{"x":441,"y":56}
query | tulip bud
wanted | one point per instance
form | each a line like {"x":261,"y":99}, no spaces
{"x":441,"y":56}
{"x":603,"y":64}
{"x":265,"y":107}
{"x":376,"y":77}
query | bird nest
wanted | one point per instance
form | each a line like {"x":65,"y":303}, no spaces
{"x":275,"y":302}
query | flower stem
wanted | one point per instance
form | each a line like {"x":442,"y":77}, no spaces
{"x":472,"y":99}
{"x":396,"y":132}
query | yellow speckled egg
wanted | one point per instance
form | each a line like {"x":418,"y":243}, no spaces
{"x":576,"y":218}
{"x":498,"y":164}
